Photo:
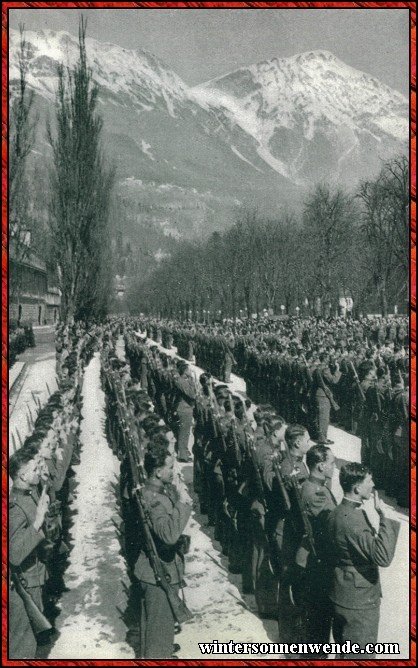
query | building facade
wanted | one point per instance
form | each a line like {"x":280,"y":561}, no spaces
{"x":32,"y":298}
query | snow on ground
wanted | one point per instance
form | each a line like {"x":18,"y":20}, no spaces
{"x":38,"y":380}
{"x":90,"y":622}
{"x":15,"y":372}
{"x":209,"y":584}
{"x":220,"y":612}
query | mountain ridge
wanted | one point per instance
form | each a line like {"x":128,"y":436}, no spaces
{"x":260,"y":135}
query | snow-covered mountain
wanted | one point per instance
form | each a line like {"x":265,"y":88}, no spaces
{"x":263,"y":133}
{"x":126,"y":77}
{"x":311,"y":113}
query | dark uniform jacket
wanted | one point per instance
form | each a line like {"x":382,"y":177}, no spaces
{"x":329,"y":379}
{"x":317,"y":496}
{"x":168,"y":516}
{"x":318,"y":501}
{"x":357,"y":551}
{"x":23,"y":537}
{"x":280,"y":518}
{"x":186,"y":394}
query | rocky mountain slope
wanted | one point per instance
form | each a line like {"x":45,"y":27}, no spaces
{"x":261,"y":135}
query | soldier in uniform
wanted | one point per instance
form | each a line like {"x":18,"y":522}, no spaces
{"x":400,"y":436}
{"x":293,"y":467}
{"x":27,"y":511}
{"x":202,"y":434}
{"x":266,"y":510}
{"x":356,"y":552}
{"x":367,"y":376}
{"x":143,"y":373}
{"x":314,"y":571}
{"x":378,"y":414}
{"x":184,"y":406}
{"x":235,"y":442}
{"x":229,"y":361}
{"x":169,"y":513}
{"x":324,"y":378}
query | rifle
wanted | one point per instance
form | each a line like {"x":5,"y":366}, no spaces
{"x":401,"y":380}
{"x":378,"y":400}
{"x":37,"y":619}
{"x":129,"y":435}
{"x":308,"y":371}
{"x":357,"y":379}
{"x":179,"y":609}
{"x":217,"y":430}
{"x":404,"y":407}
{"x":327,"y":391}
{"x":234,"y":433}
{"x":249,"y":447}
{"x":117,"y":433}
{"x":307,"y":527}
{"x":282,"y":487}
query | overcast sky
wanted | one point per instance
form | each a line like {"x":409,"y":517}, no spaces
{"x":200,"y":44}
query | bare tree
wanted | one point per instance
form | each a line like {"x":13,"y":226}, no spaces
{"x":395,"y":182}
{"x":385,"y":227}
{"x":328,"y":221}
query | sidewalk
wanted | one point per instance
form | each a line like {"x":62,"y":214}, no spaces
{"x":31,"y":381}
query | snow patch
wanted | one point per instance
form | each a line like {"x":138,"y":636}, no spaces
{"x":394,"y":125}
{"x":146,"y":149}
{"x":161,"y":255}
{"x":277,"y":165}
{"x":40,"y":376}
{"x":235,"y":150}
{"x":89,"y":623}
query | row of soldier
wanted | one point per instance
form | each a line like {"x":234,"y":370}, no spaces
{"x":237,"y":471}
{"x":275,"y":516}
{"x":40,"y":473}
{"x":359,"y":380}
{"x":146,"y":446}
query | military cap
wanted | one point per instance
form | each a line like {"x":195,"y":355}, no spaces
{"x":221,"y":392}
{"x":204,"y":378}
{"x":182,"y":366}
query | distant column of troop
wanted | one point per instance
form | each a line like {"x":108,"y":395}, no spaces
{"x":265,"y":487}
{"x":352,"y":373}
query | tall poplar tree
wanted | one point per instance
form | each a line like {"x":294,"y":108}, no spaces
{"x":81,"y":184}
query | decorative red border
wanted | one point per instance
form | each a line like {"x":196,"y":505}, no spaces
{"x":201,"y":5}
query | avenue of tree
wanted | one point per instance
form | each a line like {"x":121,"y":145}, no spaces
{"x":352,"y":244}
{"x":343,"y":243}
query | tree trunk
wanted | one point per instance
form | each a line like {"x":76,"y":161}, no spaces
{"x":383,"y":298}
{"x":234,"y":303}
{"x":247,"y":297}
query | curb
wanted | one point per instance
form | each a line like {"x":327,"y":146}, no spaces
{"x":14,"y":382}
